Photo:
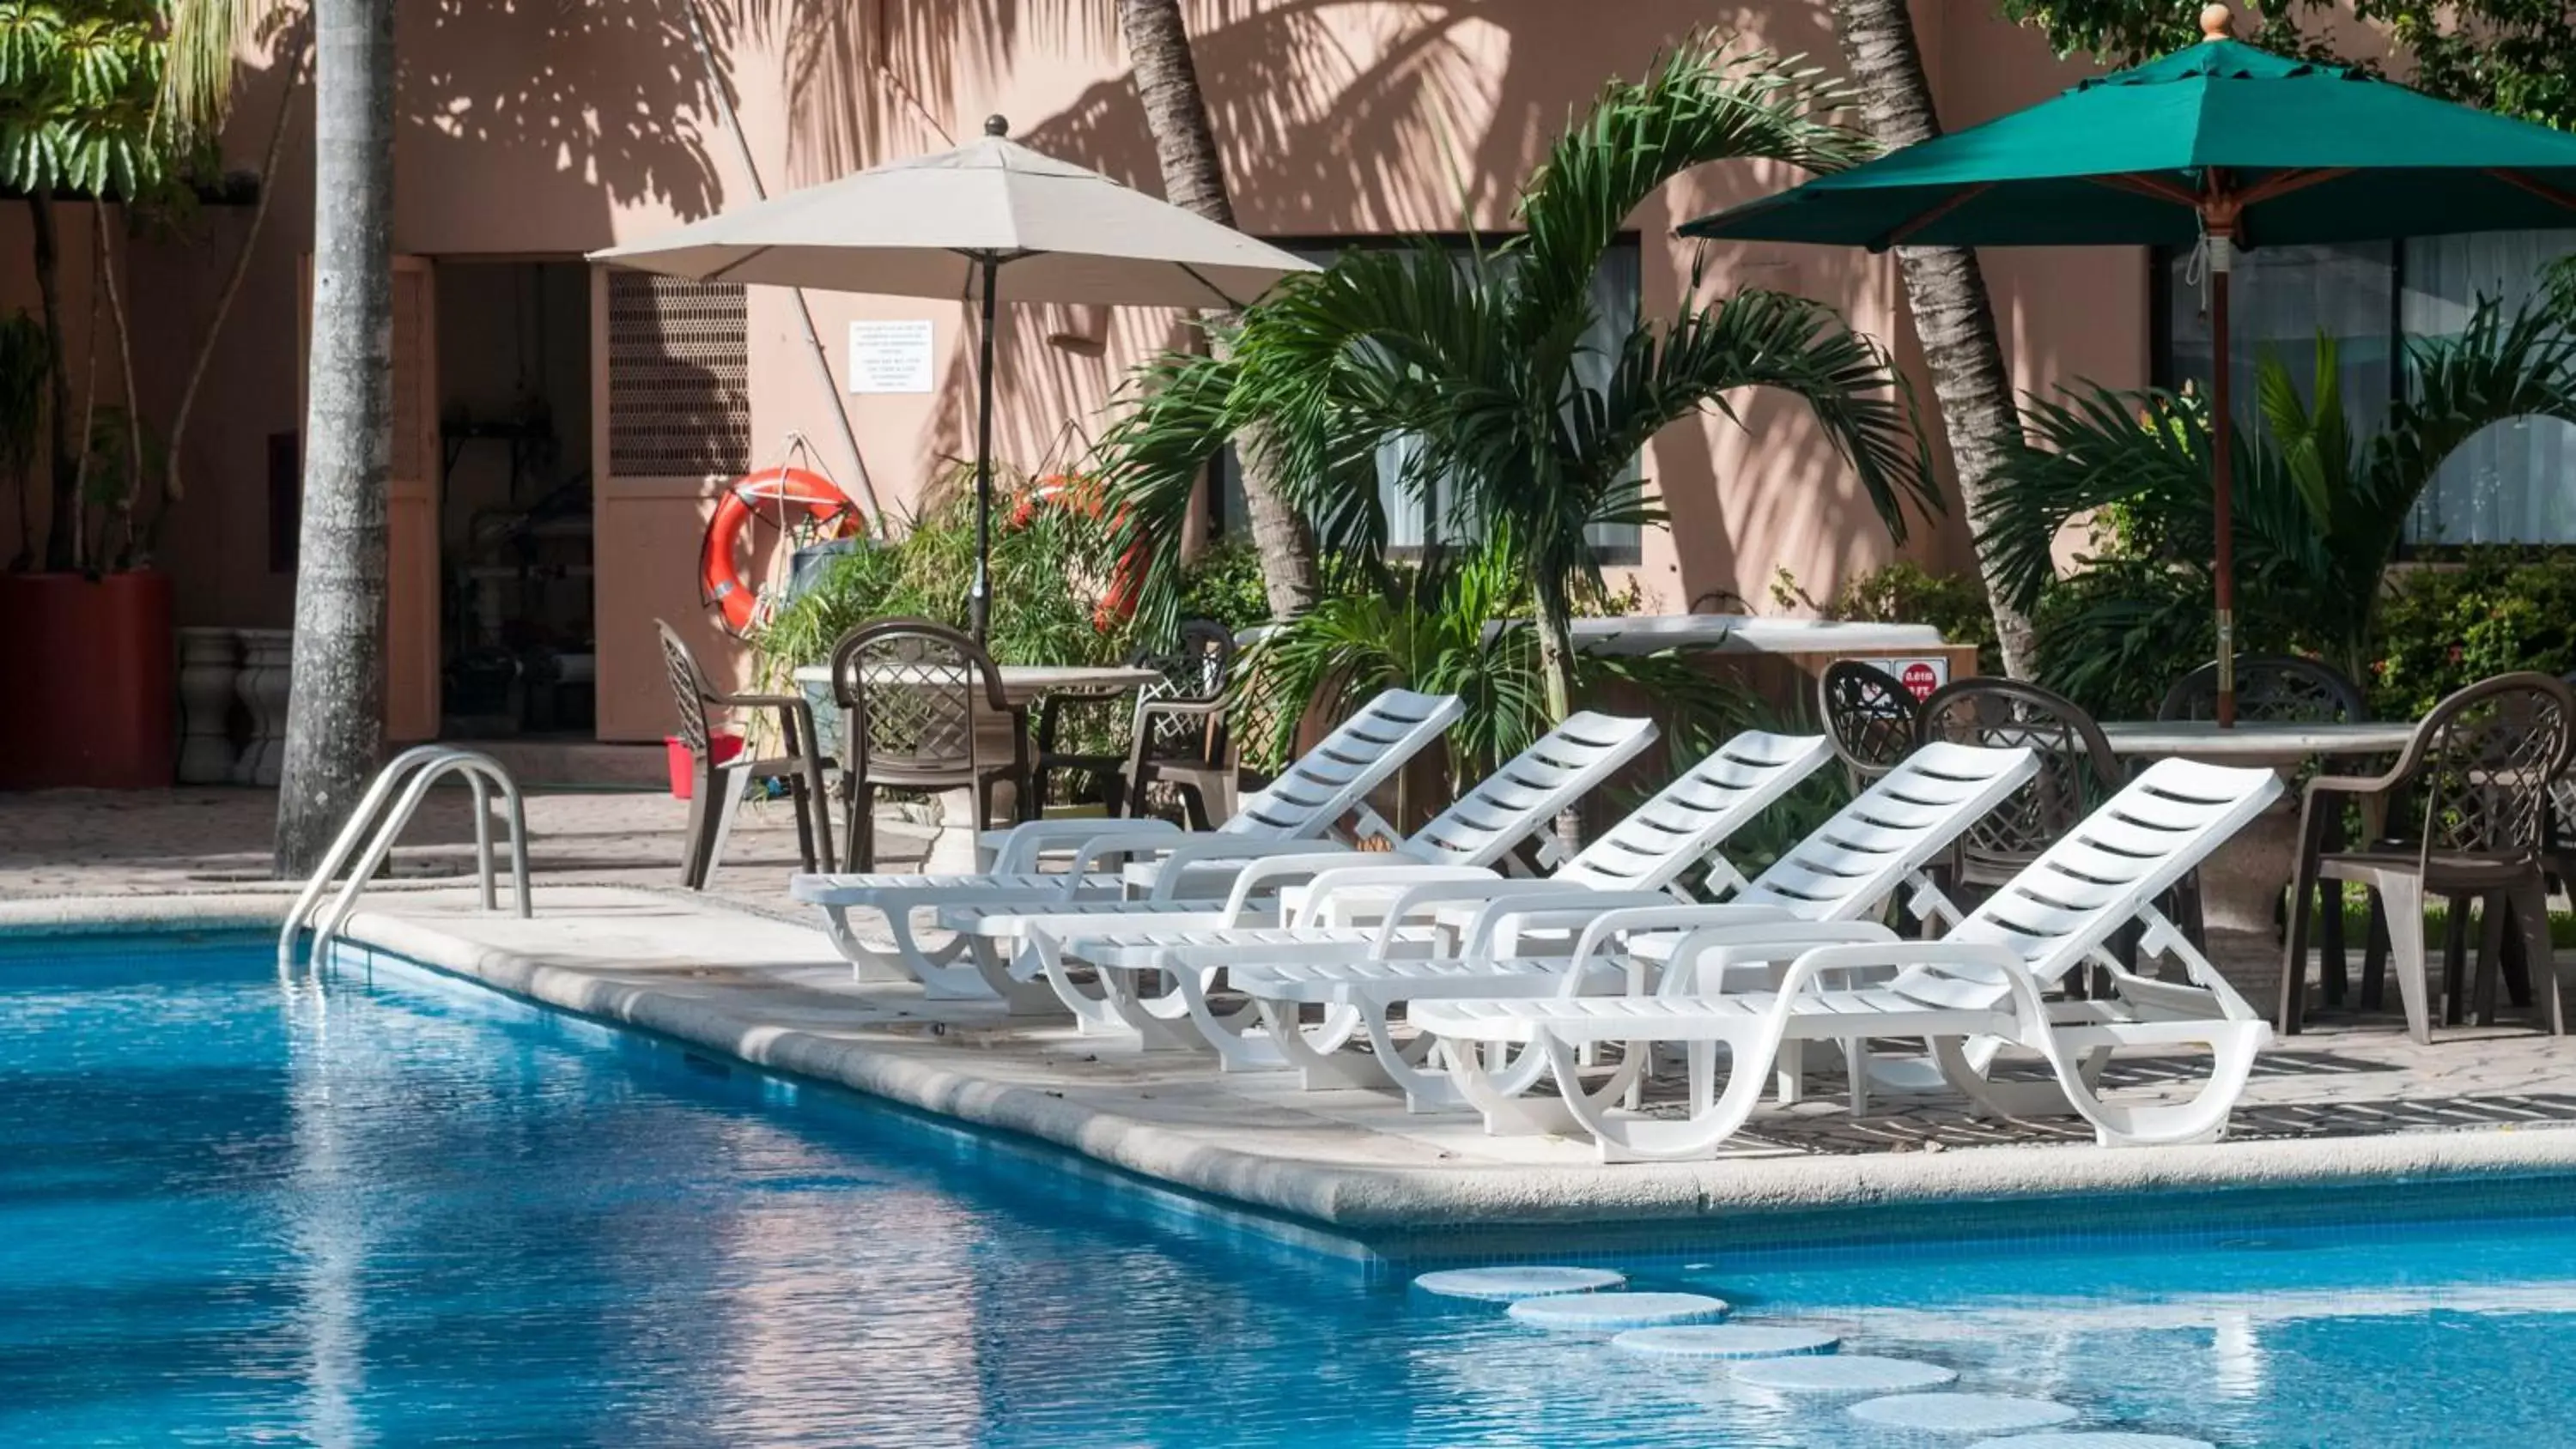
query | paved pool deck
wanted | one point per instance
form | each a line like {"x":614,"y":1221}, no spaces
{"x":2352,"y":1103}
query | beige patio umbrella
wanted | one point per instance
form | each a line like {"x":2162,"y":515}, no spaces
{"x":989,"y":222}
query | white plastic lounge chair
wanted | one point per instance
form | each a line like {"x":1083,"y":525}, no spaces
{"x":1982,"y":981}
{"x":1845,"y":869}
{"x":1308,"y":800}
{"x":1477,"y":832}
{"x":1638,"y":861}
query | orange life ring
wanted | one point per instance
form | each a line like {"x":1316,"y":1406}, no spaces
{"x":1083,"y":494}
{"x":720,"y":583}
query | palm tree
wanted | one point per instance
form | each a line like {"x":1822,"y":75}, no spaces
{"x":2319,"y":509}
{"x":1473,"y":370}
{"x":335,"y":714}
{"x":1944,"y":288}
{"x":1167,"y":83}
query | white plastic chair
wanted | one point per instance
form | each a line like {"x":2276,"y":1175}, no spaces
{"x":1304,"y":803}
{"x":1970,"y":994}
{"x":1479,"y":830}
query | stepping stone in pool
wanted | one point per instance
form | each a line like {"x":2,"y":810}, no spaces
{"x":1601,"y":1312}
{"x":1843,"y":1373}
{"x":1961,"y":1413}
{"x":1503,"y":1285}
{"x":1726,"y":1340}
{"x":2101,"y":1440}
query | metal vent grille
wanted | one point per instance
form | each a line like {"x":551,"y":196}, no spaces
{"x":679,"y":396}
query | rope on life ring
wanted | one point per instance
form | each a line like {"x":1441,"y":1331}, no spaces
{"x":721,"y":585}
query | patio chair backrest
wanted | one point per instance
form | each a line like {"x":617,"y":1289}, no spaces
{"x":1691,"y":817}
{"x":1330,"y":780}
{"x":2269,"y":687}
{"x":690,"y":691}
{"x":2113,"y":864}
{"x":1869,"y":713}
{"x":2077,"y":769}
{"x":912,"y":692}
{"x":1529,"y":790}
{"x":1195,"y":670}
{"x":2482,"y":765}
{"x":1848,"y":865}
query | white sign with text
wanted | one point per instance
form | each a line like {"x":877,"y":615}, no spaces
{"x":890,"y":357}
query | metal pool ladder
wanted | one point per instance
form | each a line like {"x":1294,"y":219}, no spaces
{"x":413,"y":771}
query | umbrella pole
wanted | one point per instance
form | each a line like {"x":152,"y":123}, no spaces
{"x":979,"y":597}
{"x":2222,"y":475}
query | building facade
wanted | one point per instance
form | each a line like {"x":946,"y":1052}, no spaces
{"x":563,"y":430}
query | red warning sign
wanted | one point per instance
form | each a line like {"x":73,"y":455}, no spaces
{"x":1920,"y":679}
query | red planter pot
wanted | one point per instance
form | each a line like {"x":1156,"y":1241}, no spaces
{"x":87,"y":665}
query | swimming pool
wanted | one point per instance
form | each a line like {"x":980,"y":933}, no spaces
{"x":401,"y":1209}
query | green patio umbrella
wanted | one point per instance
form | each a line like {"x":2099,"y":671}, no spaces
{"x":2224,"y":145}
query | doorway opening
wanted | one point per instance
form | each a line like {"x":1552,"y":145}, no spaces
{"x":517,"y":612}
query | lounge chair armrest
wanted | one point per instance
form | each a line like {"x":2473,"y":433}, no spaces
{"x":1323,"y":861}
{"x":1206,"y":850}
{"x":1316,"y":860}
{"x":1902,"y":955}
{"x":1420,"y":885}
{"x":1017,"y":849}
{"x":1497,"y":929}
{"x":1698,"y":963}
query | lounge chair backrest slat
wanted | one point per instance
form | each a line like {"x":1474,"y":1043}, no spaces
{"x":2113,"y":863}
{"x":1331,"y":779}
{"x":1695,"y":814}
{"x":1851,"y":863}
{"x":1531,"y":789}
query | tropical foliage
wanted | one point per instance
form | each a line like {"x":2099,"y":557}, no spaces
{"x":1455,"y":623}
{"x":1520,"y":438}
{"x":2513,"y":56}
{"x":2319,"y":509}
{"x":80,"y":84}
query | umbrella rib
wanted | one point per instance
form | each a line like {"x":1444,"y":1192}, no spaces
{"x":2284,"y":183}
{"x":2155,"y":187}
{"x":1201,"y":278}
{"x":2546,"y":192}
{"x":737,"y":264}
{"x":1933,"y":213}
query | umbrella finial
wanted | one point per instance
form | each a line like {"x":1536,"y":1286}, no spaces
{"x":996,"y":126}
{"x":2217,"y":22}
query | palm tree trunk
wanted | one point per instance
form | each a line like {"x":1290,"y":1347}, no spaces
{"x":62,"y":524}
{"x":1167,"y":82}
{"x":335,"y":711}
{"x":1945,"y":289}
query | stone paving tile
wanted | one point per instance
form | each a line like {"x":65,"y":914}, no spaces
{"x":204,"y":841}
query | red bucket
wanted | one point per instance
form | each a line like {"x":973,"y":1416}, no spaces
{"x":684,"y":771}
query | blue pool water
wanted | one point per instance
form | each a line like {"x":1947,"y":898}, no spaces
{"x":402,"y":1210}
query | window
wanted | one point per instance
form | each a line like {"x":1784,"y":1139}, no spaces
{"x":2513,"y":483}
{"x":1615,"y":304}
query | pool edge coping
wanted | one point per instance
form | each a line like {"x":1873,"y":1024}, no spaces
{"x":1361,"y":1199}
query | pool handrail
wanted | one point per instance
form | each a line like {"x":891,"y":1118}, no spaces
{"x":415,"y":770}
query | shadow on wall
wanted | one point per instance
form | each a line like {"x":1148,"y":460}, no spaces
{"x":503,"y":101}
{"x":1336,"y":116}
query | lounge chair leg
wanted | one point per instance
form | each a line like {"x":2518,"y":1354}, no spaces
{"x":1632,"y":1139}
{"x":2232,"y":1045}
{"x":1318,"y":1069}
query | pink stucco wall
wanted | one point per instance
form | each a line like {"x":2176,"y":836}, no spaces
{"x":543,"y":131}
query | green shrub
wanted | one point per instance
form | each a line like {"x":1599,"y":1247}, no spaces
{"x":1048,"y":578}
{"x":1224,"y":583}
{"x":2446,"y":625}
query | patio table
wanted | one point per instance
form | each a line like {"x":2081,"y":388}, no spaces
{"x":952,"y":850}
{"x":2242,"y":882}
